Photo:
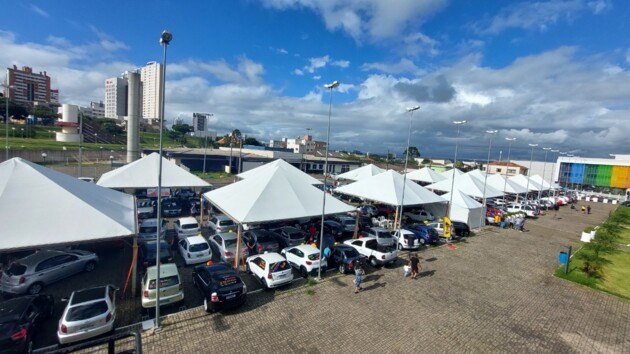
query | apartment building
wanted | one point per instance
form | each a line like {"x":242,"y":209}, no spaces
{"x":29,"y":87}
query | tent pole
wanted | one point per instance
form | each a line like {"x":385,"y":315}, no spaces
{"x":238,"y":246}
{"x":201,"y":210}
{"x":134,"y":272}
{"x":356,"y":225}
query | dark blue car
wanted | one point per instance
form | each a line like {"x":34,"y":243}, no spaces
{"x":426,"y":234}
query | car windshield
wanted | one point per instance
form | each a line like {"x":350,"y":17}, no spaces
{"x":84,"y":312}
{"x":198,"y":247}
{"x":347,"y":222}
{"x":266,"y":239}
{"x":226,"y":222}
{"x":433,"y":232}
{"x":224,"y":280}
{"x":190,"y":226}
{"x":165,"y":282}
{"x":148,"y":229}
{"x":296,"y":235}
{"x":279,"y":266}
{"x":351,"y":253}
{"x":383,"y":234}
{"x":16,"y":269}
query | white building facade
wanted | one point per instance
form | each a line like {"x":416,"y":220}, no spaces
{"x":116,"y":98}
{"x":151,"y":78}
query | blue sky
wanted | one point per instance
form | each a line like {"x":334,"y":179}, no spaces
{"x":554,"y":73}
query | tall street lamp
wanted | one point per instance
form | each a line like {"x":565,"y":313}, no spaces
{"x":544,"y":167}
{"x":165,"y":39}
{"x":7,"y":87}
{"x":205,"y":148}
{"x":553,"y":172}
{"x":529,"y":172}
{"x":330,"y":88}
{"x":402,"y":199}
{"x":485,"y":180}
{"x":458,"y":123}
{"x":95,"y":138}
{"x":511,"y":140}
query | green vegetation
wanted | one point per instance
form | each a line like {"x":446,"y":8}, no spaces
{"x":604,"y":263}
{"x":589,"y":229}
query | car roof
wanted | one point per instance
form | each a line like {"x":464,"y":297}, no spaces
{"x":14,"y":307}
{"x":227,"y":235}
{"x":166,"y":270}
{"x":188,"y":220}
{"x":365,"y":238}
{"x":218,"y":268}
{"x":194,"y":240}
{"x":343,"y":217}
{"x":87,"y":295}
{"x":309,"y":249}
{"x":222,"y":217}
{"x":39,"y":256}
{"x":289,"y":228}
{"x":377,"y":228}
{"x":271,"y":257}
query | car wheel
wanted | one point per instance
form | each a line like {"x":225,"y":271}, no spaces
{"x":422,"y":241}
{"x":90,"y":266}
{"x":35,"y":288}
{"x":342,"y":269}
{"x":373,"y":262}
{"x":400,"y":247}
{"x":206,"y":306}
{"x":264,"y":282}
{"x":303,"y":272}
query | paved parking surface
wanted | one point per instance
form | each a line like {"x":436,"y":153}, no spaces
{"x":493,"y":293}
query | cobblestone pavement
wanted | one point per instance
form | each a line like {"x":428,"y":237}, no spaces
{"x":493,"y":293}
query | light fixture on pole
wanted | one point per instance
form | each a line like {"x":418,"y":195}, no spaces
{"x":44,"y":156}
{"x":95,"y":138}
{"x":458,"y":123}
{"x":529,"y":171}
{"x":7,"y":87}
{"x":511,"y":140}
{"x":165,"y":39}
{"x":485,"y":180}
{"x":543,"y":175}
{"x":402,"y":199}
{"x":330,"y":88}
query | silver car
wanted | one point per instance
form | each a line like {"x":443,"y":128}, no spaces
{"x":89,"y":313}
{"x":225,"y":242}
{"x":30,"y":274}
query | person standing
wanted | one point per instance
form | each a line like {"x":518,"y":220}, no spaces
{"x":414,"y":264}
{"x":588,"y":209}
{"x":251,"y":246}
{"x":556,"y":207}
{"x":359,"y":272}
{"x":583,"y":209}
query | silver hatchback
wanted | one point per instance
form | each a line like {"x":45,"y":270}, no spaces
{"x":30,"y":274}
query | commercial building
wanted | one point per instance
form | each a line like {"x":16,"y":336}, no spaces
{"x":116,"y":97}
{"x":503,"y":167}
{"x":593,"y":173}
{"x":151,"y":78}
{"x":30,"y":88}
{"x":150,"y":93}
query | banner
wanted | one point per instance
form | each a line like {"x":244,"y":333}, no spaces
{"x":447,"y":227}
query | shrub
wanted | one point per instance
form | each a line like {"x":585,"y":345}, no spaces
{"x":589,"y":229}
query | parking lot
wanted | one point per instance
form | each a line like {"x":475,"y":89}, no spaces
{"x":493,"y":292}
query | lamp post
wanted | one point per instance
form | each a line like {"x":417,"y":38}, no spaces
{"x":329,"y":87}
{"x":95,"y":138}
{"x":7,"y":87}
{"x":44,"y":155}
{"x":511,"y":140}
{"x":553,"y":173}
{"x":458,"y":123}
{"x":485,"y":180}
{"x":544,"y":167}
{"x":80,"y":145}
{"x":402,"y":199}
{"x":111,"y":162}
{"x":13,"y":132}
{"x":205,"y":145}
{"x":165,"y":39}
{"x":22,"y":129}
{"x":529,"y":171}
{"x":101,"y":156}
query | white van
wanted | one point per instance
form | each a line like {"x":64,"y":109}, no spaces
{"x":529,"y":210}
{"x":171,"y":286}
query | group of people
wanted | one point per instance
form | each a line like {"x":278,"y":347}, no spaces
{"x":586,"y":209}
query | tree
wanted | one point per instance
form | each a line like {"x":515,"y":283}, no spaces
{"x":459,"y":165}
{"x":42,"y":112}
{"x":15,"y":110}
{"x":182,"y":128}
{"x":413,"y":152}
{"x":251,"y":141}
{"x":426,"y":161}
{"x":110,"y":126}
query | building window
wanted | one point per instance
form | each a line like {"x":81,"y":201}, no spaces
{"x":498,"y":170}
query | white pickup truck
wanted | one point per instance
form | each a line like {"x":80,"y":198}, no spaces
{"x":378,"y":255}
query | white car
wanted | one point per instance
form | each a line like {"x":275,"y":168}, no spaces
{"x":305,"y":258}
{"x":420,"y":216}
{"x":271,"y":269}
{"x":89,"y":313}
{"x":408,"y":241}
{"x":187,"y":226}
{"x":221,"y":223}
{"x":194,"y":249}
{"x":438,"y":226}
{"x":171,"y":286}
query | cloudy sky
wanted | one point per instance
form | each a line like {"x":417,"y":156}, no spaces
{"x":553,"y":73}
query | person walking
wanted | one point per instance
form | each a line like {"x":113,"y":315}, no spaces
{"x":588,"y":209}
{"x":359,"y":272}
{"x":556,"y":207}
{"x":414,"y":264}
{"x":583,"y":209}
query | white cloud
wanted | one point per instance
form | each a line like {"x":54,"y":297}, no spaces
{"x":628,"y":56}
{"x":600,"y":6}
{"x":107,"y":42}
{"x":38,"y":10}
{"x":316,"y":63}
{"x":341,"y":63}
{"x":317,"y":77}
{"x":403,"y":66}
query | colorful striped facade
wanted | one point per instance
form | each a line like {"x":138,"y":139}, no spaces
{"x":600,"y":175}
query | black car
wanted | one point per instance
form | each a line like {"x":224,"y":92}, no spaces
{"x":626,"y":203}
{"x":461,"y":229}
{"x":171,"y":207}
{"x":333,"y":228}
{"x":266,"y":241}
{"x":344,"y":257}
{"x":148,"y":253}
{"x":221,"y":287}
{"x":19,"y":321}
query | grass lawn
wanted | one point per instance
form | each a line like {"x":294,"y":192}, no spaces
{"x":616,"y":272}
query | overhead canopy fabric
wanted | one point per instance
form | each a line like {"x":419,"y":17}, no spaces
{"x":544,"y":184}
{"x":466,"y":209}
{"x":499,"y":182}
{"x":363,"y":172}
{"x":425,"y":175}
{"x":478,"y":174}
{"x":41,"y":207}
{"x":283,"y":165}
{"x":143,"y":173}
{"x":275,"y":194}
{"x":449,"y":173}
{"x":468,"y":184}
{"x":522,"y":181}
{"x":387,"y":188}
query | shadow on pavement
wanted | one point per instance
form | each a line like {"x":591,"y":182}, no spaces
{"x":428,"y":273}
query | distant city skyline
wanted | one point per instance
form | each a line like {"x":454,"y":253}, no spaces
{"x":552,"y":73}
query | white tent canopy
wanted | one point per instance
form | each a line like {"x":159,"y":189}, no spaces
{"x":469,"y":185}
{"x":143,"y":173}
{"x":449,"y":173}
{"x":498,"y":181}
{"x":478,"y":174}
{"x":362,"y":173}
{"x":522,"y":180}
{"x":283,"y":165}
{"x":41,"y":207}
{"x":387,"y":188}
{"x":425,"y":175}
{"x":275,"y":194}
{"x":466,"y":209}
{"x":544,"y":184}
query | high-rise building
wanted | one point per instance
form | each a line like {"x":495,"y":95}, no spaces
{"x":116,"y":97}
{"x":54,"y":97}
{"x":151,"y":77}
{"x":200,"y":123}
{"x":28,"y":87}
